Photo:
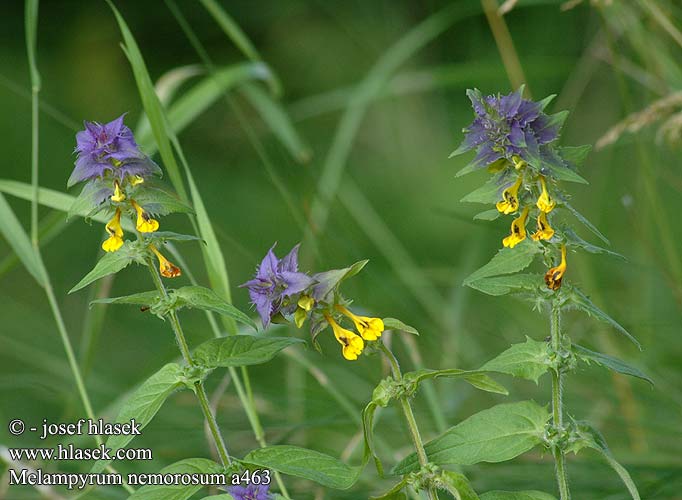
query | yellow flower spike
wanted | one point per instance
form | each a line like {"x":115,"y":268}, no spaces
{"x":518,"y":230}
{"x":166,"y":268}
{"x":145,"y":223}
{"x":545,"y":231}
{"x":113,"y":227}
{"x":352,"y":344}
{"x":369,"y":328}
{"x":510,"y":198}
{"x":118,"y":195}
{"x":555,"y":275}
{"x":545,"y":203}
{"x":136,"y":179}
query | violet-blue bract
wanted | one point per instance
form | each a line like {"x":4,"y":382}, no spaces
{"x":250,"y":492}
{"x":109,"y":148}
{"x":276,"y":281}
{"x":507,"y":126}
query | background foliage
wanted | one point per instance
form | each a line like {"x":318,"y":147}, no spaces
{"x":398,"y":206}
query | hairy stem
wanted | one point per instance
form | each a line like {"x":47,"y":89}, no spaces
{"x":557,"y":404}
{"x":198,"y":386}
{"x":409,"y":416}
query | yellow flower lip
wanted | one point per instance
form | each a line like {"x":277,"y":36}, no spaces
{"x":118,"y":195}
{"x":351,"y":344}
{"x":166,"y":268}
{"x":554,"y":276}
{"x":510,"y":198}
{"x":518,"y":230}
{"x":145,"y":223}
{"x":113,"y":227}
{"x":545,"y":203}
{"x":368,"y":328}
{"x":545,"y":231}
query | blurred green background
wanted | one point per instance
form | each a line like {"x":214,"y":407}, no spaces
{"x":398,"y":206}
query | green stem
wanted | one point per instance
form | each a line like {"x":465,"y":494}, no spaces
{"x":198,"y":386}
{"x":409,"y":416}
{"x":557,"y":404}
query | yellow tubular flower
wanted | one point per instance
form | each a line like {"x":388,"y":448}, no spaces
{"x":145,"y":223}
{"x":305,"y":304}
{"x":510,"y":198}
{"x":352,"y":344}
{"x":118,"y":195}
{"x":555,"y":275}
{"x":545,"y":203}
{"x":113,"y":227}
{"x":166,"y":268}
{"x":545,"y":231}
{"x":518,"y":162}
{"x":518,"y":230}
{"x":369,"y":328}
{"x":136,"y":179}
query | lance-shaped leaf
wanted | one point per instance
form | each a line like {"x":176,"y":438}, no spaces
{"x":476,"y":378}
{"x":136,"y":299}
{"x":516,"y":495}
{"x":488,"y":215}
{"x":576,"y":241}
{"x":161,"y":202}
{"x":528,"y":360}
{"x":307,"y":464}
{"x":575,"y":155}
{"x":607,"y":361}
{"x":161,"y":236}
{"x":113,"y":262}
{"x":241,"y":350}
{"x":179,"y":491}
{"x":585,"y":222}
{"x":577,"y":299}
{"x":395,"y":493}
{"x":502,"y":285}
{"x":368,"y":432}
{"x":589,"y":437}
{"x":494,"y":435}
{"x":329,"y":281}
{"x":507,"y":261}
{"x":488,"y":193}
{"x":199,"y":297}
{"x":396,"y":324}
{"x":143,"y":404}
{"x":90,"y":198}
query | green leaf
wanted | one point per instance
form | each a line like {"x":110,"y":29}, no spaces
{"x":576,"y":241}
{"x":180,"y":492}
{"x":307,"y":464}
{"x":368,"y":433}
{"x":199,"y":297}
{"x":607,"y":361}
{"x":545,"y":102}
{"x":396,"y":324}
{"x":274,"y":115}
{"x":458,"y":485}
{"x":489,"y":193}
{"x":575,"y":154}
{"x":138,"y":299}
{"x":143,"y":404}
{"x":331,"y":280}
{"x":476,"y":378}
{"x":113,"y":262}
{"x":590,"y":437}
{"x":88,"y":201}
{"x":529,"y":360}
{"x":502,"y":285}
{"x":395,"y":493}
{"x":507,"y":261}
{"x":241,"y":350}
{"x":516,"y":495}
{"x":488,"y":215}
{"x":494,"y":435}
{"x":160,"y":202}
{"x":12,"y":230}
{"x":585,"y":222}
{"x":564,"y":173}
{"x":577,"y":299}
{"x":224,"y":496}
{"x":170,"y":236}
